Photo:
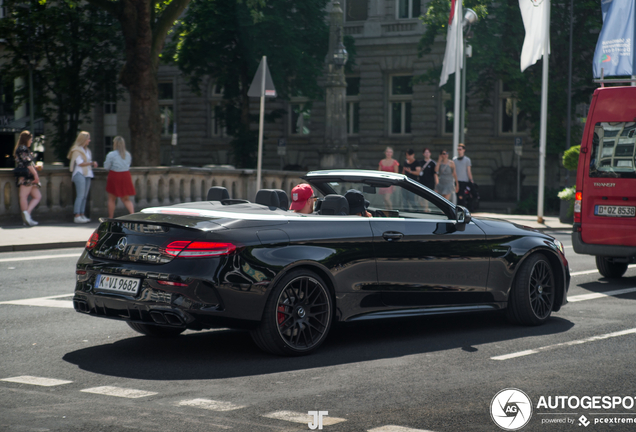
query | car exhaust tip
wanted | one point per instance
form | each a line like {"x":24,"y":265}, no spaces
{"x":158,"y":317}
{"x":81,"y":306}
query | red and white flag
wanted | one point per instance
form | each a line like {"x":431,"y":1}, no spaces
{"x":535,"y":21}
{"x":454,"y":42}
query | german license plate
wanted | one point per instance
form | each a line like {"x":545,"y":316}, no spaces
{"x":614,"y":211}
{"x":117,"y":284}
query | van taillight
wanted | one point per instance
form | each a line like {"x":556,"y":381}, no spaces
{"x":578,"y":202}
{"x":198,"y":249}
{"x":92,"y":241}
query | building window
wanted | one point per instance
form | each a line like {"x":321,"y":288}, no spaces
{"x":512,"y":120}
{"x":217,"y":128}
{"x":166,"y":108}
{"x":400,"y":98}
{"x":356,"y":10}
{"x":408,"y":9}
{"x":110,"y":125}
{"x":299,"y":116}
{"x":353,"y":105}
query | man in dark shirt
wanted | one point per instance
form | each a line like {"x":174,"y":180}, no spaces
{"x":411,"y":169}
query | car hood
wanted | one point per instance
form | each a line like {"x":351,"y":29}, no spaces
{"x":493,"y":226}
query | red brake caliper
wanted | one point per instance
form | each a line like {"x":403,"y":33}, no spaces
{"x":281,"y":316}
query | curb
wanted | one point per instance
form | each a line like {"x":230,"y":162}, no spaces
{"x":40,"y":246}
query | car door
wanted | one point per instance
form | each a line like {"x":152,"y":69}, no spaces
{"x":428,"y":262}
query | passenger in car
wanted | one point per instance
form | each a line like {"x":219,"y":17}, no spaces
{"x":303,"y":199}
{"x":357,"y":204}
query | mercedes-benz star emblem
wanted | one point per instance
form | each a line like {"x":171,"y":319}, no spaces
{"x":122,"y":243}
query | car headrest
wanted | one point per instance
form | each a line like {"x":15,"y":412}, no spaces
{"x":283,"y":199}
{"x":334,"y":205}
{"x":267,"y":197}
{"x":218,"y":193}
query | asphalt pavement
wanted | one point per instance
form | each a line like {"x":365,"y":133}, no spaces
{"x":15,"y":238}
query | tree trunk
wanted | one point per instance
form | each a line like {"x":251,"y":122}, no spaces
{"x":139,"y":76}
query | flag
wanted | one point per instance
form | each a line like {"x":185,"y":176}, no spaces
{"x":454,"y":42}
{"x":533,"y":13}
{"x":615,"y":47}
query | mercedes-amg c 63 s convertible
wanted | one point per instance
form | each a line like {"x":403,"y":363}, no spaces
{"x":287,"y":277}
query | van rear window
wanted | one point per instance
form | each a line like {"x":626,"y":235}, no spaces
{"x":613,"y":150}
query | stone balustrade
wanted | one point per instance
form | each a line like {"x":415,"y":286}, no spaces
{"x":155,"y":186}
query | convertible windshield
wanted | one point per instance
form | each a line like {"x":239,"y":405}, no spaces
{"x":391,"y":201}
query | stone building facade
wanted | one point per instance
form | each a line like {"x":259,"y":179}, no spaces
{"x":384,"y":108}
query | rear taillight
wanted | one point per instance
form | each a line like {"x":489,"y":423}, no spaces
{"x":198,"y":249}
{"x":169,"y":283}
{"x":92,"y":241}
{"x":578,"y":204}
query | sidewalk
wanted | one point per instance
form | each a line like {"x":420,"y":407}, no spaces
{"x":55,"y":236}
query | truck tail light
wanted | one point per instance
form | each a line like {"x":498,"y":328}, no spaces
{"x":92,"y":241}
{"x":198,"y":249}
{"x":578,"y":204}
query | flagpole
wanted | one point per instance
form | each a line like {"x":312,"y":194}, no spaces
{"x":458,"y":67}
{"x":544,"y":112}
{"x":261,"y":122}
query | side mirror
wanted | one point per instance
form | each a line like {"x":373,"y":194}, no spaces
{"x":462,"y":216}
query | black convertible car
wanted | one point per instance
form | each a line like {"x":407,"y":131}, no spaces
{"x":287,"y":276}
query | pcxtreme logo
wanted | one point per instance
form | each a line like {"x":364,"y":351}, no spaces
{"x":511,"y":409}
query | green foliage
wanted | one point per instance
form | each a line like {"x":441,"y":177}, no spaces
{"x":225,"y":40}
{"x":497,"y":41}
{"x":75,"y":51}
{"x":528,"y":205}
{"x":571,"y":158}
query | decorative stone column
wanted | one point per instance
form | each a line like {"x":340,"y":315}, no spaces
{"x":335,"y":152}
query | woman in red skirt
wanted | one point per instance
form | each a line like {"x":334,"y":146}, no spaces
{"x":119,"y":183}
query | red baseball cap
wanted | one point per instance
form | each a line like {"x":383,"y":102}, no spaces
{"x":299,"y":195}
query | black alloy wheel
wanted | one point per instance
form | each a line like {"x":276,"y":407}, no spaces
{"x":155,"y":330}
{"x":532,"y":295}
{"x":297,"y":316}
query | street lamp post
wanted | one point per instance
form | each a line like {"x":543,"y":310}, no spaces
{"x":470,"y":17}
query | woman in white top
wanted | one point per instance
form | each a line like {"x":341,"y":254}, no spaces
{"x":82,"y":168}
{"x":119,"y":183}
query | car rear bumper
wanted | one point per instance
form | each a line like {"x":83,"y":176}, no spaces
{"x":581,"y":247}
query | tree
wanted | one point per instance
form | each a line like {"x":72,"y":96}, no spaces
{"x":74,"y":51}
{"x":145,"y":25}
{"x":497,"y":42}
{"x":220,"y":39}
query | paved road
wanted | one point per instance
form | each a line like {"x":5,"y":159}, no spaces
{"x":436,"y":373}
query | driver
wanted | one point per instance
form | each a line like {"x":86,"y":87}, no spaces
{"x":357,"y":204}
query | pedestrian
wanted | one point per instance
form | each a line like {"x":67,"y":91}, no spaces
{"x":388,"y":164}
{"x":27,"y":178}
{"x":81,"y":166}
{"x":447,"y":178}
{"x":464,"y":174}
{"x":427,"y":173}
{"x":119,"y":182}
{"x":411,"y":169}
{"x":303,"y":199}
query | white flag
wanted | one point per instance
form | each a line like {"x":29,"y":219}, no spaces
{"x":454,"y":42}
{"x":535,"y":21}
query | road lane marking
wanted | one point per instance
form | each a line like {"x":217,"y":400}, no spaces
{"x":302,"y":418}
{"x":584,"y":272}
{"x":41,"y":257}
{"x":119,"y":392}
{"x":43,"y":301}
{"x":39,"y":381}
{"x":211,"y":405}
{"x":592,"y":296}
{"x":564,"y":344}
{"x":393,"y":428}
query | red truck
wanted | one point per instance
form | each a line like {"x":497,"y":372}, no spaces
{"x":605,"y":201}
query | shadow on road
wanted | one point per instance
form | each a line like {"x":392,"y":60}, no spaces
{"x":604,"y":284}
{"x":230,"y":353}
